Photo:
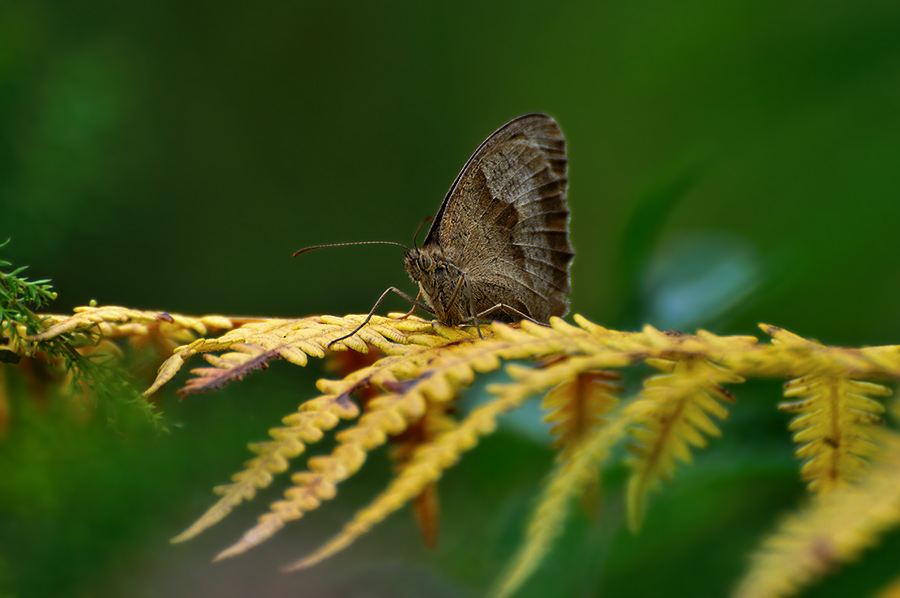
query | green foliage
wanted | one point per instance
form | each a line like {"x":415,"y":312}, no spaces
{"x":16,"y":295}
{"x":84,"y":361}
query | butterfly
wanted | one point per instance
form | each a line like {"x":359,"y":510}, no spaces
{"x":498,"y":247}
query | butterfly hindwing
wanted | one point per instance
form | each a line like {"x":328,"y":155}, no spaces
{"x":504,"y":221}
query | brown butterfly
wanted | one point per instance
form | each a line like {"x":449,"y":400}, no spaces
{"x":499,"y":245}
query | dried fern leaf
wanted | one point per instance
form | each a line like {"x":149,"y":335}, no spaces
{"x":425,"y":366}
{"x":835,"y":528}
{"x":834,"y":426}
{"x":673,"y":415}
{"x":431,"y":461}
{"x":571,"y":477}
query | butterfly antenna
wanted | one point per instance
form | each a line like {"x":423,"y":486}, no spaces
{"x":305,"y":249}
{"x":421,"y":224}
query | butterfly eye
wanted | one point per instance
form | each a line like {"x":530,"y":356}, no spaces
{"x":425,"y":262}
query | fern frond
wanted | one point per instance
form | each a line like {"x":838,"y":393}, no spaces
{"x":111,"y":321}
{"x":834,"y":426}
{"x":673,"y":415}
{"x":300,"y":429}
{"x":273,"y":457}
{"x":578,"y":406}
{"x":296,"y":340}
{"x":425,"y":366}
{"x":835,"y":528}
{"x":429,"y":462}
{"x":386,"y":415}
{"x":431,"y":376}
{"x":570,"y":477}
{"x":792,"y":356}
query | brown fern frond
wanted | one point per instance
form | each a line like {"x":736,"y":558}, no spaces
{"x":578,"y":406}
{"x":792,"y":356}
{"x":228,"y":368}
{"x":834,"y":529}
{"x":673,"y":415}
{"x":296,"y":340}
{"x":834,"y":426}
{"x":429,"y":462}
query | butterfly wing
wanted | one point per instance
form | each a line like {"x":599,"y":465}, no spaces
{"x":505,"y":220}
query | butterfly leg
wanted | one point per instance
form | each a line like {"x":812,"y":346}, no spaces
{"x":472,"y":312}
{"x":509,"y":308}
{"x":414,"y":307}
{"x":415,"y":302}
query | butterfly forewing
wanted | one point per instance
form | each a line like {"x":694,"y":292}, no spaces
{"x":504,"y":221}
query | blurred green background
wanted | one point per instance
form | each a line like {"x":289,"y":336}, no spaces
{"x":730,"y":163}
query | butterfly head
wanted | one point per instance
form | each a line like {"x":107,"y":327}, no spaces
{"x":420,"y":264}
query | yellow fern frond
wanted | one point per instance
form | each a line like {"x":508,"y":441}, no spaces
{"x":426,"y":365}
{"x":571,"y":477}
{"x":673,"y":415}
{"x":834,"y":426}
{"x":303,"y":428}
{"x":387,"y":415}
{"x":834,"y":529}
{"x":295,"y":340}
{"x":429,"y":462}
{"x":112,"y":321}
